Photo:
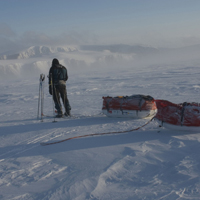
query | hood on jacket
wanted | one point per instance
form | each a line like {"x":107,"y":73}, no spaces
{"x":55,"y":62}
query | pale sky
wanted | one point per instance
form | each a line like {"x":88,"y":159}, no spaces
{"x":158,"y":23}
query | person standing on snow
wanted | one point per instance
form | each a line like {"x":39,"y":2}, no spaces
{"x":57,"y":78}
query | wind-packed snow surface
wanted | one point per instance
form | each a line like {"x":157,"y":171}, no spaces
{"x":150,"y":163}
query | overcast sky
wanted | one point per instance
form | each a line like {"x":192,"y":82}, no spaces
{"x":158,"y":23}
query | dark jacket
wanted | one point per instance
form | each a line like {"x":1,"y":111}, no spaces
{"x":57,"y":75}
{"x":58,"y":72}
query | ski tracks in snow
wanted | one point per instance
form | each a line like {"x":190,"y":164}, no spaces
{"x":146,"y":164}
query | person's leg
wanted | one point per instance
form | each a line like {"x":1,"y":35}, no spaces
{"x":63,"y":93}
{"x":56,"y":98}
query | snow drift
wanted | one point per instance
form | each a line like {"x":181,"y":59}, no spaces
{"x":152,"y":163}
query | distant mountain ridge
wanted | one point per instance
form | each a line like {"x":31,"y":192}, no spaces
{"x":37,"y":51}
{"x":121,"y":48}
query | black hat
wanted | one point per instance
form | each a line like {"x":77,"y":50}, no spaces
{"x":55,"y":62}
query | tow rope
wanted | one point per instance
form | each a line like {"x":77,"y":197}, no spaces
{"x":95,"y":134}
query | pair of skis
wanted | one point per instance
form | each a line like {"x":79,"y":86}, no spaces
{"x":41,"y":97}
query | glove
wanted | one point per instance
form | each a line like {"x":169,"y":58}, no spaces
{"x":50,"y":90}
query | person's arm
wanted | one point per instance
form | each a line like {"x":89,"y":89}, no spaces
{"x":50,"y":77}
{"x":66,"y":75}
{"x":50,"y":73}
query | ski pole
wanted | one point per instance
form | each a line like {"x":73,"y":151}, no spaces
{"x":51,"y":83}
{"x":42,"y":95}
{"x":39,"y":97}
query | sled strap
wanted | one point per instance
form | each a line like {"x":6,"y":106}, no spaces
{"x":182,"y":112}
{"x":96,"y":134}
{"x":140,"y":103}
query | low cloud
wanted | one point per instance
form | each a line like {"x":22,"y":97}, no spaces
{"x":13,"y":42}
{"x":190,"y":40}
{"x":6,"y":31}
{"x":10,"y":41}
{"x":71,"y":38}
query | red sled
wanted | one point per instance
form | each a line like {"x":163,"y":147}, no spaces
{"x":183,"y":116}
{"x":135,"y":106}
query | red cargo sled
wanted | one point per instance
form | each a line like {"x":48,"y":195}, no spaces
{"x":184,"y":116}
{"x":135,"y":106}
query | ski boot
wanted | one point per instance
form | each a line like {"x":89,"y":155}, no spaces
{"x":59,"y":115}
{"x":67,"y":113}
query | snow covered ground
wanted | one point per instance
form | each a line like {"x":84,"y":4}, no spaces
{"x":151,"y":163}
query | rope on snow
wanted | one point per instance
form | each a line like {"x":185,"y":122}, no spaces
{"x":95,"y":134}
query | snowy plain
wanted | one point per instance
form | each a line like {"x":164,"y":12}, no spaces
{"x":151,"y":163}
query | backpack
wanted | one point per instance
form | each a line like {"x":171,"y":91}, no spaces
{"x":59,"y":73}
